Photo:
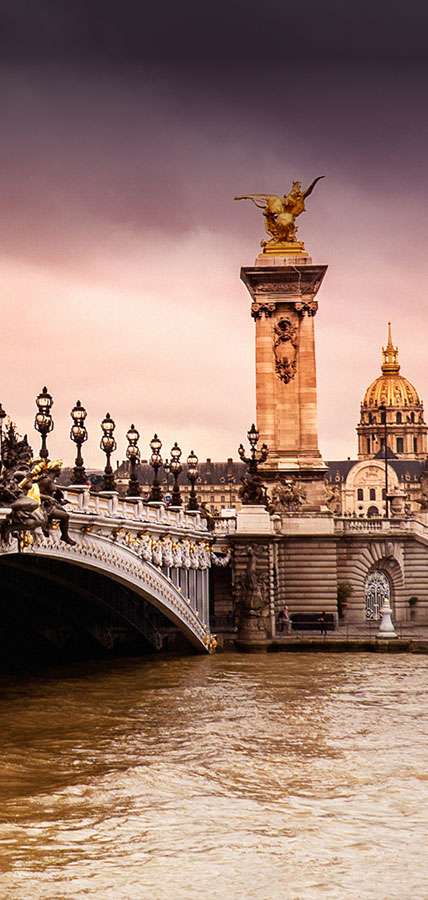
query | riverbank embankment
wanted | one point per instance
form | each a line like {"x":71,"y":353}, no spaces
{"x":333,"y":644}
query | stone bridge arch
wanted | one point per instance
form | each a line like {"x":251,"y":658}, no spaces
{"x":122,"y":562}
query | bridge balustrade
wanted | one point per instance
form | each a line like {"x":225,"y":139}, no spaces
{"x":111,"y":504}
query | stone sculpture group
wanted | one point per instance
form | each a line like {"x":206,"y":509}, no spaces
{"x":29,"y":489}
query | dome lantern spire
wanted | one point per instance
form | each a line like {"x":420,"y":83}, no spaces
{"x":390,"y":365}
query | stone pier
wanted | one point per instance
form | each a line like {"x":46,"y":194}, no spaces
{"x":283,"y":288}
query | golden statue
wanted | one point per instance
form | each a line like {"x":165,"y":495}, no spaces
{"x":281,"y":213}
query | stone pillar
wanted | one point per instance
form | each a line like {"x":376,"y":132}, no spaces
{"x":283,"y":289}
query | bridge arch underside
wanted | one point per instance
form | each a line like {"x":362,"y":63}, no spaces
{"x":56,"y":609}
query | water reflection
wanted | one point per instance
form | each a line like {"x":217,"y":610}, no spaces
{"x":232,"y":776}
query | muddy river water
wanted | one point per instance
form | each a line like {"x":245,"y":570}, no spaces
{"x":273,"y":776}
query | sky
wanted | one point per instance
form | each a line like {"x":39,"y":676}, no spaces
{"x":126,"y":133}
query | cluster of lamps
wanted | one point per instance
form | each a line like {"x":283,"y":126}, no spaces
{"x":78,"y":433}
{"x":256,"y":456}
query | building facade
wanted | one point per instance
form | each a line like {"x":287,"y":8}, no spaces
{"x":356,"y":527}
{"x":217,"y":485}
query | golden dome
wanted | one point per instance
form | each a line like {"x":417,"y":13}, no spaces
{"x":391,"y":388}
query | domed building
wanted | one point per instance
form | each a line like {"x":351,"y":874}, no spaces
{"x":392,"y":394}
{"x":359,"y":487}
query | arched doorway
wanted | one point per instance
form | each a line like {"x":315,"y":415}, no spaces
{"x":377,"y":590}
{"x":372,"y":512}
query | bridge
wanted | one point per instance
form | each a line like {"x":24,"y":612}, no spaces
{"x":158,"y":558}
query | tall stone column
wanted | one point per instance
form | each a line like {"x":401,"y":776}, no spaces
{"x":283,"y":287}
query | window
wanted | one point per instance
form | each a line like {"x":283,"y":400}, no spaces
{"x":360,"y":494}
{"x":383,"y":494}
{"x":372,"y":494}
{"x":400,"y":445}
{"x":415,"y":445}
{"x":399,"y":418}
{"x":368,"y":445}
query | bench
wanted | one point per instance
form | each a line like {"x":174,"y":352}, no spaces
{"x":311,"y":621}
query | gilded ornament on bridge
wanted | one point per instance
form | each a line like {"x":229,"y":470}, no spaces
{"x":211,"y":643}
{"x":280,"y":215}
{"x":28,"y":488}
{"x":285,"y":343}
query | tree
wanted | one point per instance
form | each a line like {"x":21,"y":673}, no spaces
{"x":344,"y":592}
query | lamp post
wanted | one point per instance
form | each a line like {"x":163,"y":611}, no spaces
{"x":133,"y":454}
{"x":383,"y":413}
{"x":252,"y":490}
{"x":192,"y":474}
{"x":176,"y":469}
{"x":256,"y":456}
{"x":108,"y":445}
{"x":2,"y":418}
{"x":79,"y":435}
{"x":43,"y":422}
{"x":155,"y":462}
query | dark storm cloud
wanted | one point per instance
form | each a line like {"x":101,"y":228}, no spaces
{"x":124,"y":140}
{"x":133,"y":30}
{"x":86,"y":155}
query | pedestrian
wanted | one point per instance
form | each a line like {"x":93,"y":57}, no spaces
{"x":280,"y":621}
{"x":323,"y":623}
{"x":283,"y":621}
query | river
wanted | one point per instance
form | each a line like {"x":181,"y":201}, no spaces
{"x":235,"y":777}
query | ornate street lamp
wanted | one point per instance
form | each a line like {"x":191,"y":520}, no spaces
{"x":383,"y":415}
{"x":256,"y":456}
{"x":79,"y":435}
{"x":176,"y":469}
{"x":133,"y":454}
{"x":252,"y":490}
{"x":155,"y":462}
{"x":192,"y":474}
{"x":108,"y":444}
{"x":2,"y":418}
{"x":43,"y":422}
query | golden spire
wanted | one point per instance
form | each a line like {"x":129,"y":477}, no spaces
{"x":390,"y":365}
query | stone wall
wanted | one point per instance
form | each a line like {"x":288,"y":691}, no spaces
{"x":403,"y":558}
{"x":307,"y":574}
{"x":416,"y":580}
{"x":303,"y":571}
